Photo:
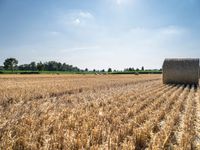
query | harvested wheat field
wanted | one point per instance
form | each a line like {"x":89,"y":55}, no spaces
{"x":97,"y":112}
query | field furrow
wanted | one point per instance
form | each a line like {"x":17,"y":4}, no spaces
{"x":153,"y":125}
{"x":11,"y":95}
{"x":160,"y":140}
{"x":197,"y":120}
{"x":98,"y":112}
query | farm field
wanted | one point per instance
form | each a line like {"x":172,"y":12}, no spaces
{"x":97,"y":112}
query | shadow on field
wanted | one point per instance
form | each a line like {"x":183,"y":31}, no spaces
{"x":189,"y":86}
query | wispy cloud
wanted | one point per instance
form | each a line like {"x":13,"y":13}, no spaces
{"x":76,"y":22}
{"x":158,"y":34}
{"x":80,"y":49}
{"x":98,"y":34}
{"x":76,"y":18}
{"x":172,"y":30}
{"x":54,"y":33}
{"x":85,"y":14}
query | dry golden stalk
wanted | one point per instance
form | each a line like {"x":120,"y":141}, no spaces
{"x":91,"y":112}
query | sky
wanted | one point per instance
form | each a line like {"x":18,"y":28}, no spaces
{"x":99,"y":34}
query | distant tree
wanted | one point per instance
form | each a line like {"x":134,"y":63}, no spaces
{"x":64,"y":67}
{"x":126,"y":69}
{"x":86,"y":69}
{"x":40,"y":66}
{"x":33,"y":66}
{"x":94,"y":70}
{"x":24,"y":67}
{"x":47,"y":66}
{"x":137,"y":69}
{"x":59,"y":65}
{"x":10,"y":64}
{"x":131,"y":69}
{"x":1,"y":67}
{"x":102,"y":70}
{"x":109,"y":70}
{"x":67,"y":67}
{"x":142,"y":68}
{"x":51,"y":66}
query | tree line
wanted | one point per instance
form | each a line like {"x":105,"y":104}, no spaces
{"x":12,"y":64}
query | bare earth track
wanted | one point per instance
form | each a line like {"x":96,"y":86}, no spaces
{"x":97,"y":112}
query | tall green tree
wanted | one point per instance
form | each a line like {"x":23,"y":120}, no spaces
{"x":109,"y":69}
{"x":40,"y":66}
{"x":33,"y":66}
{"x":142,"y":68}
{"x":10,"y":64}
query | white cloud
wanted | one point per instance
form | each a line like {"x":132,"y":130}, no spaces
{"x":119,"y":2}
{"x":54,"y":33}
{"x":137,"y":46}
{"x":80,"y":49}
{"x":85,"y":14}
{"x":76,"y":21}
{"x":167,"y":30}
{"x":172,"y":30}
{"x":76,"y":18}
{"x":142,"y":46}
{"x":156,"y":35}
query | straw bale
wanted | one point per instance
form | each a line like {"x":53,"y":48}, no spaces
{"x":181,"y":71}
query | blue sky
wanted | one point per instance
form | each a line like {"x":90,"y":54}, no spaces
{"x":99,"y":33}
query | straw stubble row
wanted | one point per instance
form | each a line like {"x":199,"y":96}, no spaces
{"x":134,"y":113}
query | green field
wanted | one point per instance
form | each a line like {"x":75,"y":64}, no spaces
{"x":79,"y":72}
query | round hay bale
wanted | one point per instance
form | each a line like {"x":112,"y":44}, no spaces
{"x":181,"y":71}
